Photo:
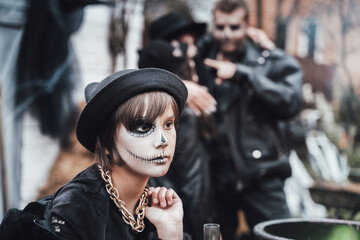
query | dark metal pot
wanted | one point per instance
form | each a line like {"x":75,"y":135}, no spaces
{"x":307,"y":229}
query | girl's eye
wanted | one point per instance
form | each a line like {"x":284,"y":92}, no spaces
{"x":144,"y":128}
{"x":168,"y":124}
{"x":140,"y":128}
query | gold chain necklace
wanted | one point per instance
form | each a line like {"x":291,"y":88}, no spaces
{"x":138,"y":224}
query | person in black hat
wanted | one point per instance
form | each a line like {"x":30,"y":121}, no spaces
{"x":176,"y":29}
{"x":189,"y":173}
{"x":164,"y":55}
{"x":172,"y":25}
{"x":129,"y":123}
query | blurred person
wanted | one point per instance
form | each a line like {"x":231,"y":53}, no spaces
{"x":175,"y":29}
{"x":256,"y":89}
{"x":189,"y":174}
{"x":129,"y":123}
{"x":46,"y":69}
{"x":172,"y":47}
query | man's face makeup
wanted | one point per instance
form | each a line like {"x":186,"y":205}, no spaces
{"x":230,"y":29}
{"x":148,"y":147}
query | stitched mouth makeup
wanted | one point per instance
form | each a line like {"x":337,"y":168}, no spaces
{"x":158,"y":159}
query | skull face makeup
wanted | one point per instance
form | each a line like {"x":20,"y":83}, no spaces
{"x":148,"y":148}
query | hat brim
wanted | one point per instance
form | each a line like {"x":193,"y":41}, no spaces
{"x":119,"y":88}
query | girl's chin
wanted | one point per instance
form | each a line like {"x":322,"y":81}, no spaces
{"x":159,"y":173}
{"x":152,"y":168}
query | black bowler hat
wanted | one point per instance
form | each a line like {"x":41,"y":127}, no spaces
{"x":106,"y":96}
{"x":172,"y":24}
{"x":164,"y":55}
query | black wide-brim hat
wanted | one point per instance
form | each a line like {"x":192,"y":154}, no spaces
{"x":172,"y":24}
{"x":161,"y":54}
{"x":106,"y":96}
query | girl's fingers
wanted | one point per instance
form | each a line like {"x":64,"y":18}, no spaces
{"x":153,"y":194}
{"x":161,"y":196}
{"x":150,"y":190}
{"x":169,"y":196}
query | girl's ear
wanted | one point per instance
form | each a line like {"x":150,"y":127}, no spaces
{"x":107,"y":152}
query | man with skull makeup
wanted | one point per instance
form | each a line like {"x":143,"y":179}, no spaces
{"x":257,"y":90}
{"x":129,"y":123}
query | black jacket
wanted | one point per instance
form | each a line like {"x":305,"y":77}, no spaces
{"x":82,"y":209}
{"x":252,"y":107}
{"x":31,"y":223}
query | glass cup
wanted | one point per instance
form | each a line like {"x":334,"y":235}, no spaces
{"x":211,"y":231}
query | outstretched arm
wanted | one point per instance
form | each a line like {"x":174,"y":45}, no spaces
{"x":281,"y":92}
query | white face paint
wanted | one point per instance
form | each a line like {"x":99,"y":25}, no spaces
{"x":148,"y":149}
{"x":230,"y":29}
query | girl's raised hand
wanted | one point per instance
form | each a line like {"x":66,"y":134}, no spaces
{"x":165,"y":212}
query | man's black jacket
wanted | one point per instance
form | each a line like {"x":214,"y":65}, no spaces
{"x":264,"y":93}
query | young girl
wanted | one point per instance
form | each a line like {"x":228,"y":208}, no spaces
{"x":129,"y":123}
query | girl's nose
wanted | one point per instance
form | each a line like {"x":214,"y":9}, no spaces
{"x":162,"y":142}
{"x":163,"y":139}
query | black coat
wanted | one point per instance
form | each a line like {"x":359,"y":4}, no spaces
{"x":31,"y":223}
{"x":264,"y":92}
{"x":82,"y":209}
